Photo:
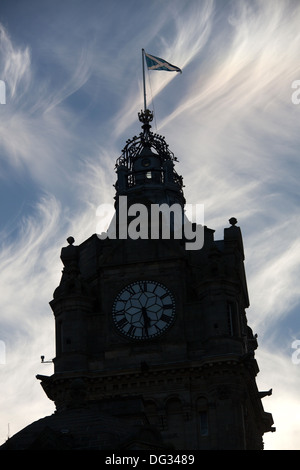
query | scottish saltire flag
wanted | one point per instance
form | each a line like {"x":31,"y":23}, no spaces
{"x":155,"y":63}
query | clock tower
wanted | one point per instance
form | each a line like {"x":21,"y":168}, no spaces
{"x":153,"y":347}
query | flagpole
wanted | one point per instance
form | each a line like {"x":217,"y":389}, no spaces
{"x":144,"y":83}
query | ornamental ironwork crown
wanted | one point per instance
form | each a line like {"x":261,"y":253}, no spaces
{"x":146,"y":139}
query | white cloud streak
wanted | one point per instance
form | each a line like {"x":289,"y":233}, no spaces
{"x":15,"y":64}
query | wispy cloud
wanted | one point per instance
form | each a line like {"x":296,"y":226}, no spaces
{"x":283,"y":378}
{"x":15,"y":65}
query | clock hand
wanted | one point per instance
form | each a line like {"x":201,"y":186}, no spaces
{"x":146,"y":319}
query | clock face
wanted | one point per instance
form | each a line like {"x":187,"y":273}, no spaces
{"x":144,"y":310}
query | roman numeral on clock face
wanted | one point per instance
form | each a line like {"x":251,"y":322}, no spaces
{"x":167,"y":306}
{"x":121,"y":323}
{"x":130,"y":290}
{"x":165,"y":318}
{"x":131,"y":330}
{"x":164,"y":295}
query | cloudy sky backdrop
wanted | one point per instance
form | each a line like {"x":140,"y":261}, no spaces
{"x":73,"y":75}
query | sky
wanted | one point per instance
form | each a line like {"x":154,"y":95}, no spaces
{"x":72,"y":71}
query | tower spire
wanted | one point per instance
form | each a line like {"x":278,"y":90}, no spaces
{"x":145,"y":170}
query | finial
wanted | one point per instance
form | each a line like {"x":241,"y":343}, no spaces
{"x":145,"y":116}
{"x":233,"y":221}
{"x":70,"y":240}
